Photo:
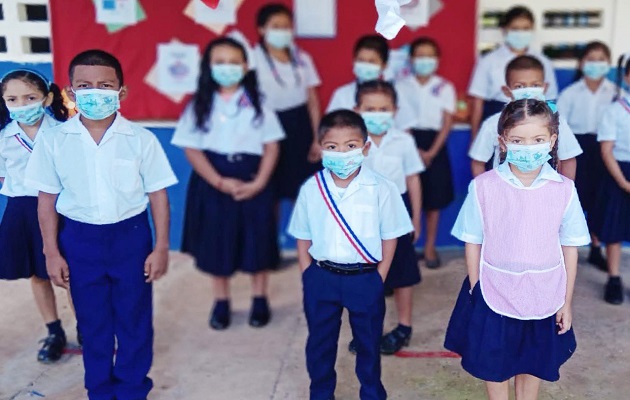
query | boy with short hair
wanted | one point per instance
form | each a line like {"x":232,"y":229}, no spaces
{"x":346,"y":220}
{"x":96,"y":174}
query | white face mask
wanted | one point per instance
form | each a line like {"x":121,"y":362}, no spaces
{"x":343,"y":164}
{"x":519,"y":40}
{"x":537,"y":93}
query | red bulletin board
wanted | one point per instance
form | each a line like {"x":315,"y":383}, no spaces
{"x":74,"y":29}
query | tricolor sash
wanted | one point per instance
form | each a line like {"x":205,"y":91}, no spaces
{"x":24,"y":144}
{"x":625,"y":104}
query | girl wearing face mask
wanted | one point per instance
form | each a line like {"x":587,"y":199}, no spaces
{"x":288,"y":84}
{"x":522,"y":224}
{"x":30,"y":104}
{"x":231,"y":141}
{"x":582,"y":104}
{"x":488,"y":77}
{"x":433,"y":101}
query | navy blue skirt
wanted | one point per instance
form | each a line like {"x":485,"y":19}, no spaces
{"x":21,"y":246}
{"x":225,"y":235}
{"x":491,"y":107}
{"x":436,"y":180}
{"x":611,"y":223}
{"x":404,"y":271}
{"x":496,"y":348}
{"x":589,"y":174}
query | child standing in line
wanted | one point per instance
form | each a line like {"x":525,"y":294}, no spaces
{"x":583,"y":104}
{"x":522,"y":223}
{"x":26,"y":95}
{"x":433,"y":101}
{"x":96,"y":174}
{"x":346,"y":220}
{"x":231,"y":141}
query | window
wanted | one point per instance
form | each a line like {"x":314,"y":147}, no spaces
{"x":39,"y":45}
{"x":3,"y":44}
{"x":1,"y":12}
{"x":36,"y":12}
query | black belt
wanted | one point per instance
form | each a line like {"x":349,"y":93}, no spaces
{"x":346,"y":269}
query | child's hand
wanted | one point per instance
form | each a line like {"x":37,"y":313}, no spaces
{"x":156,"y":265}
{"x":315,"y":153}
{"x":417,"y":230}
{"x":229,"y":185}
{"x":246,"y":191}
{"x":626,"y":187}
{"x":427,"y":158}
{"x":564,"y":318}
{"x":58,"y":271}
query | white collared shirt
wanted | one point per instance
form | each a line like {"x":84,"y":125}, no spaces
{"x":371,"y":205}
{"x":15,"y":150}
{"x":232,"y":127}
{"x":615,"y":127}
{"x":486,"y":143}
{"x":292,"y":92}
{"x":396,"y":158}
{"x":100,"y":183}
{"x":582,"y":108}
{"x":489,"y":74}
{"x":429,"y":101}
{"x":573,"y":230}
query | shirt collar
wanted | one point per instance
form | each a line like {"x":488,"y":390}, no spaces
{"x":121,"y":125}
{"x":365,"y":177}
{"x":547,"y":173}
{"x":13,"y":128}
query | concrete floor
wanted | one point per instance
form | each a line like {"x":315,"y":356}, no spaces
{"x":193,"y":362}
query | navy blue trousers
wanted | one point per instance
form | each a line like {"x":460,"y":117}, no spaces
{"x":326,"y":294}
{"x":113,"y":304}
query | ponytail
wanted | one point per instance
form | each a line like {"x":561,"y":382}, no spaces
{"x":57,"y":107}
{"x":5,"y":119}
{"x":623,"y":69}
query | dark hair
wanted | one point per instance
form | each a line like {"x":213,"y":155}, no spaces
{"x":421,"y":41}
{"x":515,"y":13}
{"x":591,"y":46}
{"x":376,"y":43}
{"x":97,"y":57}
{"x":518,"y":111}
{"x":623,"y":69}
{"x":376,"y":86}
{"x":206,"y":88}
{"x":341,"y":119}
{"x":521,"y":63}
{"x":57,"y":107}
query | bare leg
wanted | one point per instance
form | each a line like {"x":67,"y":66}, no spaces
{"x":526,"y":387}
{"x":260,"y":282}
{"x":613,"y":253}
{"x":404,"y":304}
{"x":498,"y":390}
{"x":432,"y":218}
{"x":45,"y":299}
{"x":221,"y":287}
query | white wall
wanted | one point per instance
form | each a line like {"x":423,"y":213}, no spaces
{"x":17,"y":30}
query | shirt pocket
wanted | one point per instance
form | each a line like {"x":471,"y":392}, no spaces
{"x":364,"y":221}
{"x":126,"y":175}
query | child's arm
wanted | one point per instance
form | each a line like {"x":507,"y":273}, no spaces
{"x":312,"y":103}
{"x":568,"y":167}
{"x":56,"y":265}
{"x":202,"y":166}
{"x":156,"y":263}
{"x":473,"y":258}
{"x":304,"y":258}
{"x":415,"y":196}
{"x":389,"y":248}
{"x":476,"y":112}
{"x":477,"y":168}
{"x":564,"y":316}
{"x":248,"y":190}
{"x":440,"y":139}
{"x":613,"y":166}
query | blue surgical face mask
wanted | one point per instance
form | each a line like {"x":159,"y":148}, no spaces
{"x":595,"y":70}
{"x":378,"y":123}
{"x":97,"y":104}
{"x":342,"y":164}
{"x":365,"y":71}
{"x":537,"y":93}
{"x":279,"y":38}
{"x":227,"y":75}
{"x":528,"y":157}
{"x":27,"y":115}
{"x":519,"y":40}
{"x":425,"y":66}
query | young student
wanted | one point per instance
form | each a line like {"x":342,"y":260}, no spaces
{"x":346,"y":220}
{"x":288,"y":83}
{"x":522,"y":223}
{"x":486,"y":85}
{"x":26,"y":96}
{"x":612,"y":212}
{"x":525,"y":77}
{"x":583,"y":104}
{"x":231,"y":141}
{"x":96,"y":174}
{"x":433,"y":100}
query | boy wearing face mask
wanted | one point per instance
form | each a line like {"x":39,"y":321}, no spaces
{"x":525,"y":77}
{"x":346,"y":220}
{"x":96,"y":174}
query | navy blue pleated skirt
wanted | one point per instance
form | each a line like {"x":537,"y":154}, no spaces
{"x":611,"y":223}
{"x":225,"y":235}
{"x":496,"y":348}
{"x":437,"y":180}
{"x":589,"y":174}
{"x":404,"y":271}
{"x":21,"y":246}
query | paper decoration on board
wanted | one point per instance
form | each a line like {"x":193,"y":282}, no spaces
{"x":116,"y":12}
{"x":211,"y":3}
{"x":239,"y":37}
{"x":389,"y":20}
{"x":113,"y":28}
{"x":398,"y":64}
{"x":217,"y":28}
{"x":224,"y":13}
{"x":175,"y":71}
{"x":315,"y":18}
{"x":417,"y":13}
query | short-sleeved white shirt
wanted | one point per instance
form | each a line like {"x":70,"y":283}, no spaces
{"x":15,"y":150}
{"x":371,"y":205}
{"x":396,"y":158}
{"x":615,"y":127}
{"x":486,"y":143}
{"x":101,"y":183}
{"x":582,"y":108}
{"x":429,"y":101}
{"x":232,"y":127}
{"x":489,"y":74}
{"x":296,"y":79}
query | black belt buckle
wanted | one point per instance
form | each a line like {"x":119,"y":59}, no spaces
{"x":346,"y":269}
{"x":234,"y":157}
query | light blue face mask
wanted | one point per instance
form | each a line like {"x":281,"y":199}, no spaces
{"x":519,"y":40}
{"x":97,"y":104}
{"x":378,"y":123}
{"x":595,"y":70}
{"x":27,"y":115}
{"x":528,"y":157}
{"x":342,"y":164}
{"x":425,"y":66}
{"x":537,"y":93}
{"x":227,"y":75}
{"x":365,"y":71}
{"x":279,"y":38}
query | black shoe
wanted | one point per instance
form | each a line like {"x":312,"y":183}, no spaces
{"x":433,"y":264}
{"x":52,"y":348}
{"x":260,"y":314}
{"x":352,"y":347}
{"x":613,"y":292}
{"x":596,"y":258}
{"x":220,"y":317}
{"x":394,"y":341}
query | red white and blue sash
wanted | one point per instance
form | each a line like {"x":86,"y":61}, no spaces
{"x":341,"y":221}
{"x":625,"y":104}
{"x":24,"y":143}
